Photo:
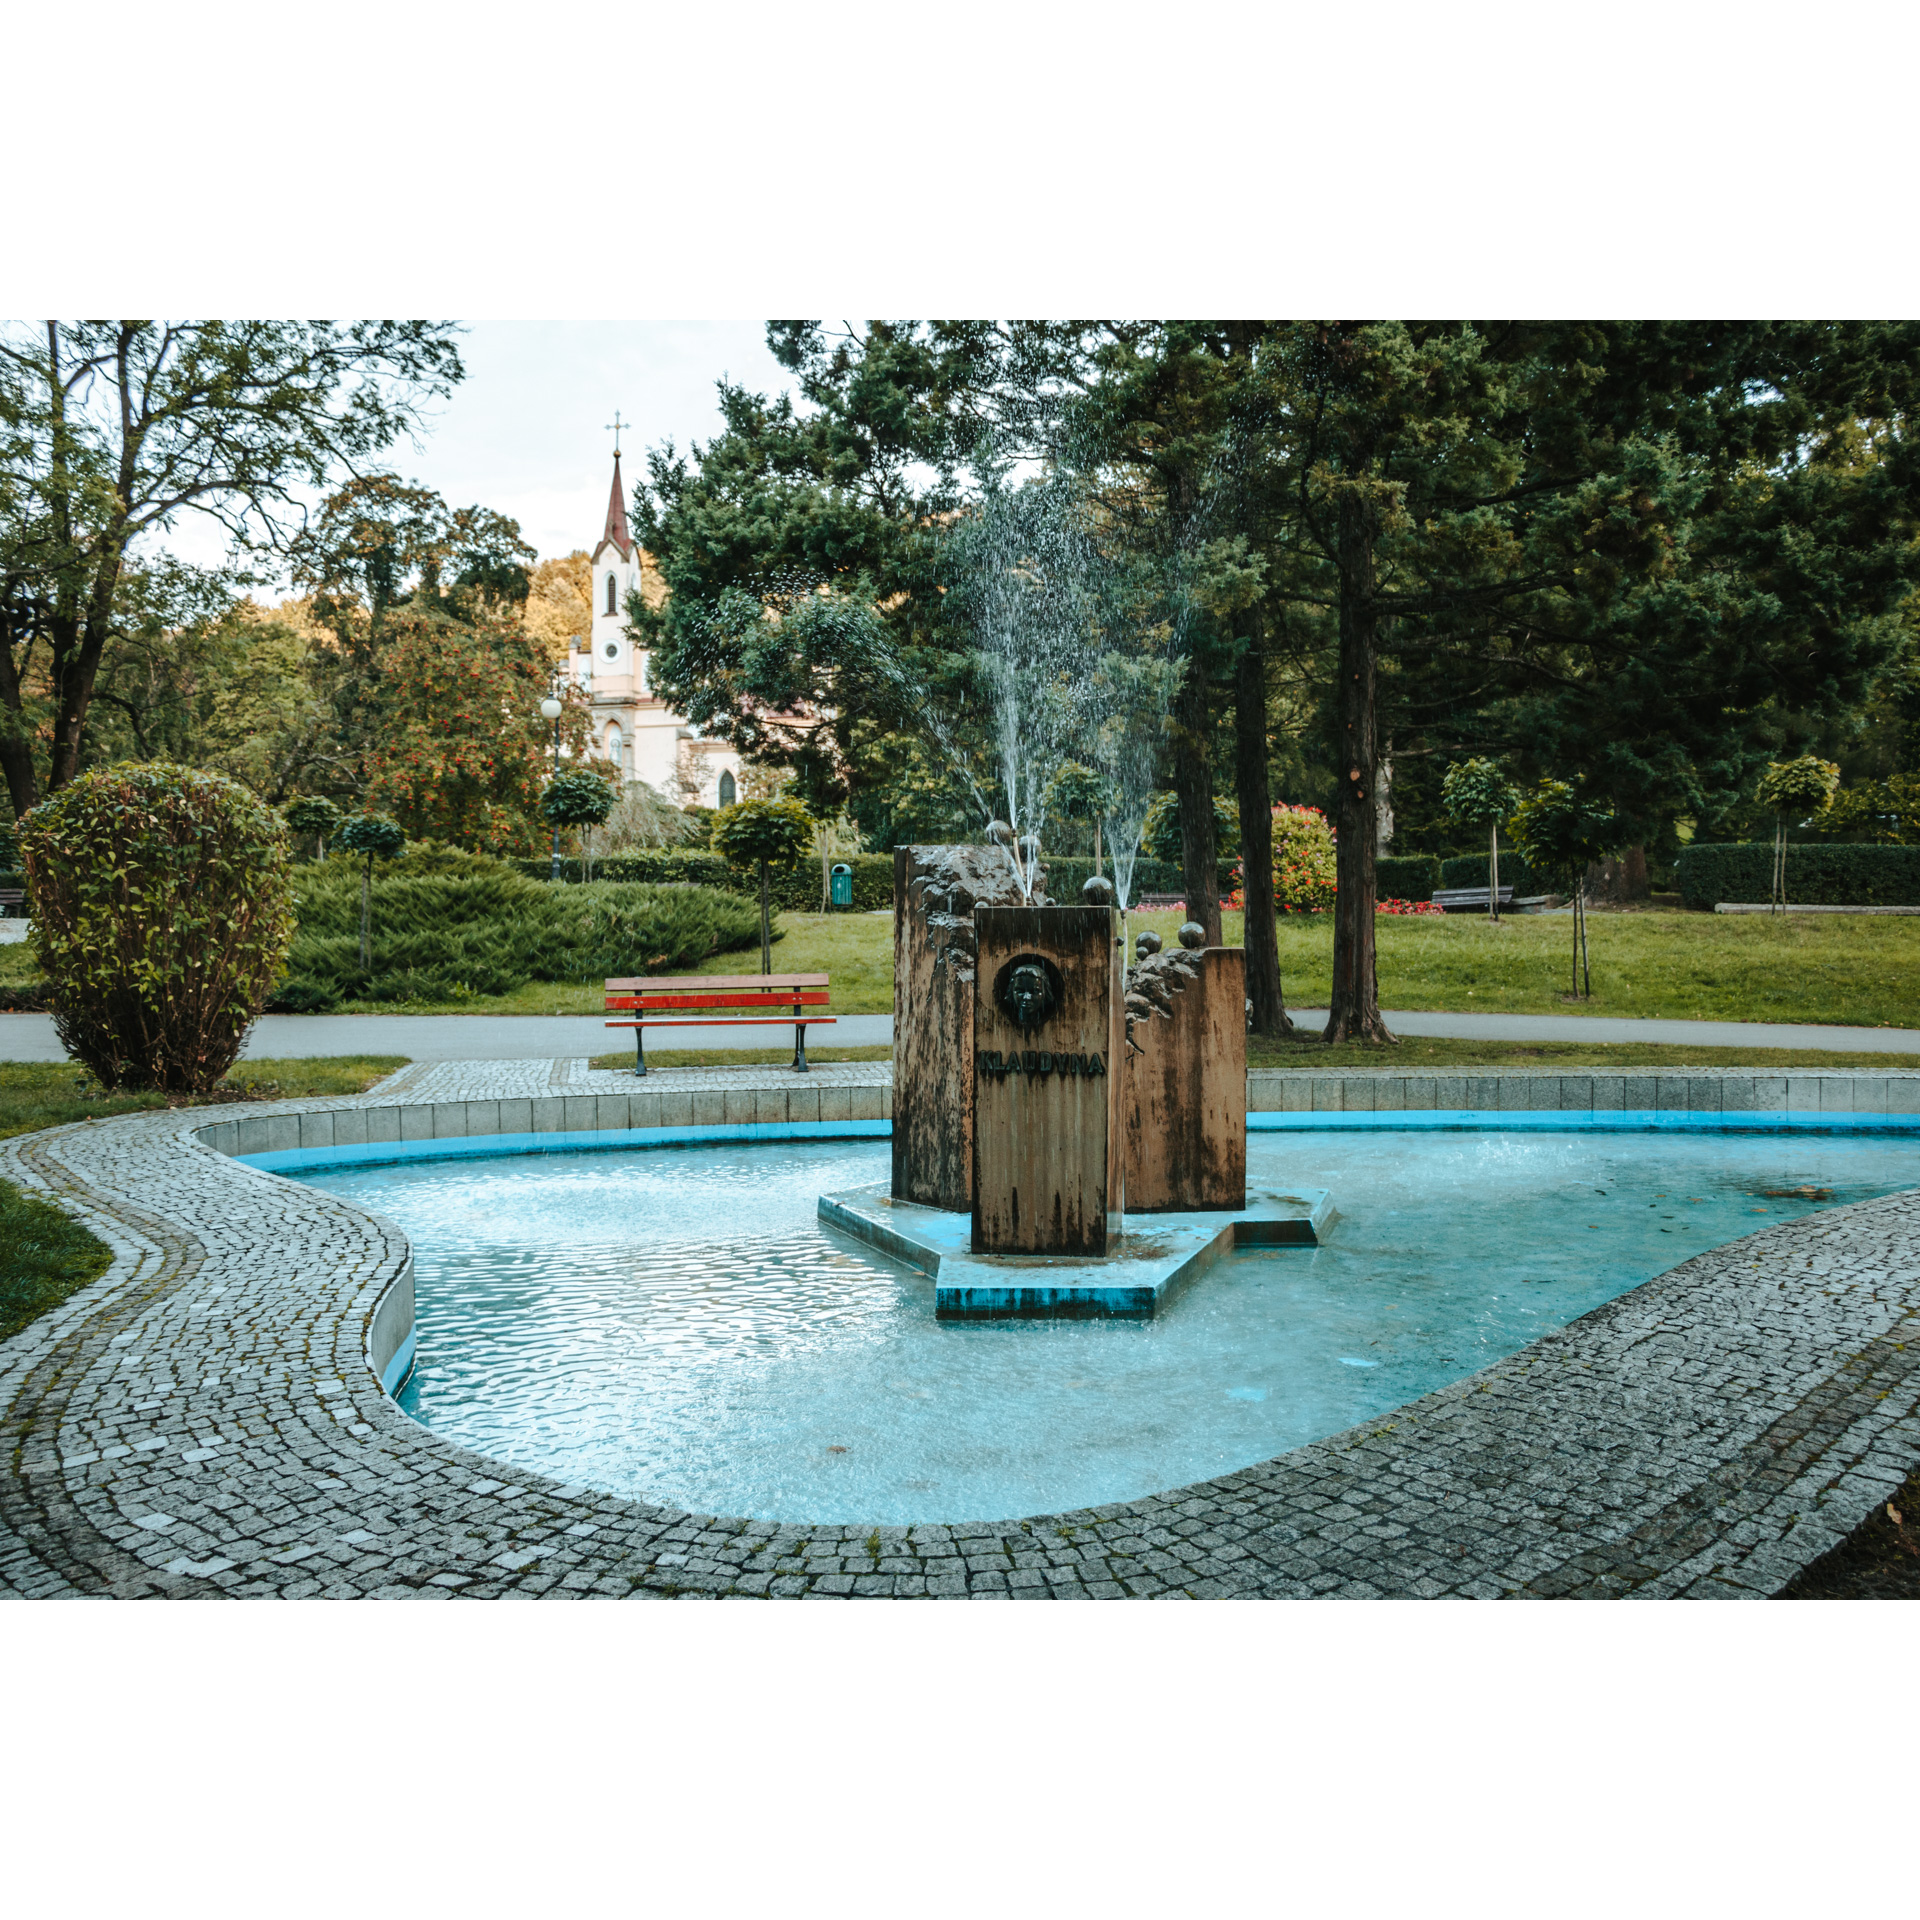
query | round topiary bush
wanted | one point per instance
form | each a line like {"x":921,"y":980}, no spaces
{"x":163,"y":912}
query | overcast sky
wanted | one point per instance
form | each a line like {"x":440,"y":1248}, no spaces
{"x":524,"y":433}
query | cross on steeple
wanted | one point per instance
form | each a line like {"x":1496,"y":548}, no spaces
{"x":613,"y":427}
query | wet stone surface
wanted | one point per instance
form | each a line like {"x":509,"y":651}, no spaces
{"x":202,"y":1421}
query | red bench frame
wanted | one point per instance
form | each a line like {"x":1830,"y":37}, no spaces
{"x":649,"y":998}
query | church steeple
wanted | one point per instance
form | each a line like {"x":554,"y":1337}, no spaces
{"x":616,"y":529}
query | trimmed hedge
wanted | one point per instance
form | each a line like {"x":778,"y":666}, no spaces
{"x":1470,"y":870}
{"x":453,"y":927}
{"x":1412,"y":876}
{"x":1819,"y":874}
{"x":163,"y":911}
{"x":1065,"y":876}
{"x":796,"y":892}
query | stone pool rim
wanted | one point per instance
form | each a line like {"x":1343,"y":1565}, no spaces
{"x":1465,"y":1506}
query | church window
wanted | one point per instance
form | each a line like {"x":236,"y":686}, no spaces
{"x":610,"y":593}
{"x":727,"y":789}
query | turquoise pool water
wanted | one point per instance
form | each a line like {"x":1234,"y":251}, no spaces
{"x":675,"y":1324}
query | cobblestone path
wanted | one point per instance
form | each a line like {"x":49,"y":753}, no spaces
{"x":202,"y":1421}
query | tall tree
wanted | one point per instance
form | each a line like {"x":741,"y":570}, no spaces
{"x":1624,"y":539}
{"x":111,"y":429}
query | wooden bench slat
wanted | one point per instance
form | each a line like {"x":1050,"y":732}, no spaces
{"x":688,"y":1000}
{"x":701,"y":982}
{"x":804,"y":1020}
{"x":733,"y":1000}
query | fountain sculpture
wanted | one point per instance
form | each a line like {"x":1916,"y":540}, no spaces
{"x":1069,"y":1136}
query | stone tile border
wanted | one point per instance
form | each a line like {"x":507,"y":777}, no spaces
{"x":204,"y":1418}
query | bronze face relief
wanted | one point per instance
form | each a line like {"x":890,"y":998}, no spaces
{"x":1028,"y":990}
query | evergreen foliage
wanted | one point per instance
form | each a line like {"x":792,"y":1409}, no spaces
{"x":162,"y":913}
{"x":1161,"y":839}
{"x":1825,"y":873}
{"x":452,"y":926}
{"x":312,"y":813}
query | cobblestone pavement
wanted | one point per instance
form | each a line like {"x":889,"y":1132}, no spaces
{"x":202,"y":1421}
{"x":431,"y":1080}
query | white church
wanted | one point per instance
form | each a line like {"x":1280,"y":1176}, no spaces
{"x":639,"y":733}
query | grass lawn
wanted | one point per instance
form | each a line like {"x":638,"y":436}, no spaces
{"x":1829,"y":969}
{"x":34,"y":1095}
{"x":44,"y":1258}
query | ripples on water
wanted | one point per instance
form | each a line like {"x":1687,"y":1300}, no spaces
{"x":677,"y":1325}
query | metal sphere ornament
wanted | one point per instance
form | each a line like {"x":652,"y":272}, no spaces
{"x":1097,"y":890}
{"x":999,"y":833}
{"x":1193,"y":936}
{"x":1147,"y":945}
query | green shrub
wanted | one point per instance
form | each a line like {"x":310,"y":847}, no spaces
{"x":1470,"y":870}
{"x":1822,"y":874}
{"x":1161,"y":835}
{"x":1416,"y":876}
{"x":653,"y":866}
{"x":795,"y":892}
{"x":1065,"y":876}
{"x":162,"y":915}
{"x":456,"y":926}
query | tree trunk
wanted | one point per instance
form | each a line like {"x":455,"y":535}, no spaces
{"x":1098,"y":864}
{"x":1493,"y":874}
{"x":766,"y":934}
{"x":1193,"y":787}
{"x":1261,"y":937}
{"x":366,"y":915}
{"x":1355,"y":1010}
{"x":1586,"y":967}
{"x":16,"y":748}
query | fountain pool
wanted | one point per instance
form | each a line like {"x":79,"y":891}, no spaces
{"x":677,"y":1325}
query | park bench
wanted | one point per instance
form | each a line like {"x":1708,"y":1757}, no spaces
{"x":11,"y":898}
{"x":1462,"y":899}
{"x":721,"y":1000}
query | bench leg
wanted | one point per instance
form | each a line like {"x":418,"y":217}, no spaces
{"x":639,"y":1049}
{"x":800,"y":1046}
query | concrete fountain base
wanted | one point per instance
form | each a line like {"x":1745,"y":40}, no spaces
{"x":1156,"y":1254}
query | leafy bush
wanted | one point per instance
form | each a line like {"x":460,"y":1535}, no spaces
{"x":1470,"y":870}
{"x":796,"y":891}
{"x":1413,"y":876}
{"x":162,"y":915}
{"x":1303,"y":861}
{"x":1160,"y":837}
{"x":454,"y":926}
{"x":662,"y":866}
{"x":312,"y":813}
{"x":1829,"y":874}
{"x":1065,"y":876}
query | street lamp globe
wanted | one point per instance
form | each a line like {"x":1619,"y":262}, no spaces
{"x":550,"y":708}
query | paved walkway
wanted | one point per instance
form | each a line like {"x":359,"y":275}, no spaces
{"x":479,"y":1036}
{"x":202,"y":1420}
{"x":464,"y":1036}
{"x":1597,"y":1030}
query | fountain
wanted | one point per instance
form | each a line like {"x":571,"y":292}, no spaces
{"x":1069,"y":1136}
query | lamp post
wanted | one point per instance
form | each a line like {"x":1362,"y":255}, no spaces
{"x":550,"y":709}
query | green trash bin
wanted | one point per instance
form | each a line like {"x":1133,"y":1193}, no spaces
{"x":842,"y":885}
